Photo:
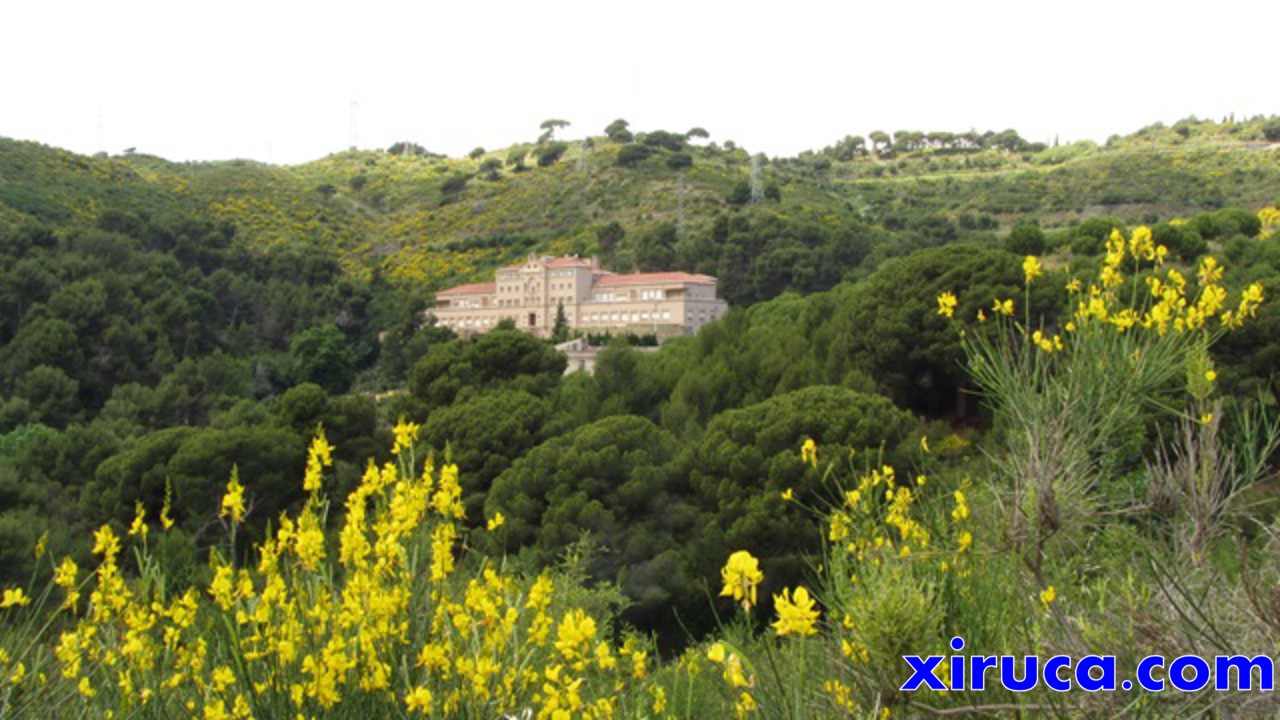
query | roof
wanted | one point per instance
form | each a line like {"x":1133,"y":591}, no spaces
{"x":651,"y":278}
{"x":472,"y":289}
{"x":570,"y":262}
{"x":553,"y":262}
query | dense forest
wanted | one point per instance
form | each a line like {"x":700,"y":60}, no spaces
{"x":169,"y":328}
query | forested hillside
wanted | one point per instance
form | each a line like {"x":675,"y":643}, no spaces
{"x":179,"y":341}
{"x":662,"y":199}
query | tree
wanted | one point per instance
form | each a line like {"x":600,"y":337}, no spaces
{"x":608,"y":236}
{"x":749,"y":456}
{"x":549,"y":128}
{"x":664,"y":140}
{"x":1182,"y":240}
{"x":550,"y":153}
{"x":476,"y":153}
{"x":1271,"y":130}
{"x":697,"y":132}
{"x":322,"y":355}
{"x":887,"y":326}
{"x":516,"y":156}
{"x":632,"y":155}
{"x":1026,"y":239}
{"x":410,"y":149}
{"x":491,"y":167}
{"x":617,"y":131}
{"x":654,"y":250}
{"x":503,"y":356}
{"x":50,"y":395}
{"x":679,"y":161}
{"x":609,"y":479}
{"x":741,"y":193}
{"x":879,"y":141}
{"x":486,"y":434}
{"x":560,"y":332}
{"x":454,"y":184}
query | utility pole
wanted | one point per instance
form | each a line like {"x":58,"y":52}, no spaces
{"x":757,"y":187}
{"x":354,"y":107}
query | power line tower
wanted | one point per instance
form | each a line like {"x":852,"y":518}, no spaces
{"x":355,"y":138}
{"x":102,"y":145}
{"x":680,"y":216}
{"x":757,"y":187}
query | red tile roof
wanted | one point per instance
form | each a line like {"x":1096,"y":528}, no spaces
{"x":657,"y":277}
{"x":551,"y":262}
{"x":472,"y":289}
{"x":569,"y":262}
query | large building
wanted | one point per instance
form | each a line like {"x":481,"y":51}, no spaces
{"x":594,"y":299}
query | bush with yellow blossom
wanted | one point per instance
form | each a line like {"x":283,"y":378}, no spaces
{"x":388,"y":617}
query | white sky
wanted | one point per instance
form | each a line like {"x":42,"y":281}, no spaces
{"x":275,"y":81}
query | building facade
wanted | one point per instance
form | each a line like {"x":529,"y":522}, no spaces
{"x":594,"y":300}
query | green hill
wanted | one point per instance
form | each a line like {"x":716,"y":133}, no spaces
{"x":428,"y":220}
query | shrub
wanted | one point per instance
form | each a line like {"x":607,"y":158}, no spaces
{"x":632,"y":155}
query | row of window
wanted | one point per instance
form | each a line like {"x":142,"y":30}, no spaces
{"x":626,"y":317}
{"x":594,"y":318}
{"x":472,"y":322}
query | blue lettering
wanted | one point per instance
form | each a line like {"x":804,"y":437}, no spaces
{"x":1223,"y":664}
{"x":1177,"y":673}
{"x":922,"y":672}
{"x":978,"y":666}
{"x":957,"y":672}
{"x":1084,"y":673}
{"x":1145,"y":668}
{"x":1029,"y":676}
{"x":1051,"y":677}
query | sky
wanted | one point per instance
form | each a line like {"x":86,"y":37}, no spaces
{"x":288,"y":82}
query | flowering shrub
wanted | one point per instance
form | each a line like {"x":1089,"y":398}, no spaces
{"x":380,"y":623}
{"x":384,"y":612}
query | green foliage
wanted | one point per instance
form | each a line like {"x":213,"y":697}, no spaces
{"x":550,"y":153}
{"x":454,"y":184}
{"x":1184,"y":241}
{"x":679,"y":161}
{"x":632,"y":155}
{"x":617,"y":131}
{"x":607,"y":479}
{"x":322,"y":355}
{"x":661,"y":139}
{"x":1225,"y":223}
{"x":502,"y":356}
{"x":888,"y":326}
{"x":750,"y":456}
{"x":486,"y":435}
{"x":50,"y":395}
{"x":1025,"y":239}
{"x":156,"y":320}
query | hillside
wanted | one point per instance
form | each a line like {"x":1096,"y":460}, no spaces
{"x":426,"y":220}
{"x":969,"y":386}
